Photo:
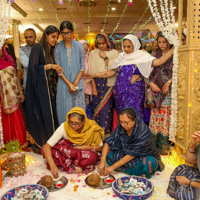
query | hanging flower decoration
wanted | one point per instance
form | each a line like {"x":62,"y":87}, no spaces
{"x":166,"y":25}
{"x":130,"y":3}
{"x":60,"y":2}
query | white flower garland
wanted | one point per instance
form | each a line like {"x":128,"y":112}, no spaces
{"x":4,"y":20}
{"x":168,"y":29}
{"x":4,"y":23}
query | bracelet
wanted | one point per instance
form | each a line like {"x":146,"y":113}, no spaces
{"x":169,"y":82}
{"x":106,"y":58}
{"x":21,"y":92}
{"x":94,"y":147}
{"x":121,"y":162}
{"x":94,"y":90}
{"x":190,"y":183}
{"x":49,"y":158}
{"x":96,"y":74}
{"x":102,"y":158}
{"x":192,"y":145}
{"x":49,"y":66}
{"x":191,"y":151}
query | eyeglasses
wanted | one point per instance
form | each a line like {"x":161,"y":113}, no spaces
{"x":26,"y":37}
{"x":66,"y":33}
{"x":74,"y":124}
{"x":103,"y":43}
{"x":125,"y":123}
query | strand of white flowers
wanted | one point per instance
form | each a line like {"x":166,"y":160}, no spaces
{"x":4,"y":18}
{"x":172,"y":37}
{"x":167,"y":12}
{"x":163,"y":11}
{"x":1,"y":131}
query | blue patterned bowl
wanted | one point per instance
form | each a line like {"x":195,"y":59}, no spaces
{"x":131,"y":196}
{"x":11,"y":193}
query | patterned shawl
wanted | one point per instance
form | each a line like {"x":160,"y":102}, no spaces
{"x":139,"y":144}
{"x":91,"y":134}
{"x":159,"y":76}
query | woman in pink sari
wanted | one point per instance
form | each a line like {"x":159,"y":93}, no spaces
{"x":12,"y":118}
{"x":87,"y":85}
{"x":74,"y":145}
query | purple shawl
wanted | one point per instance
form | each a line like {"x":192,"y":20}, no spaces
{"x":159,"y":76}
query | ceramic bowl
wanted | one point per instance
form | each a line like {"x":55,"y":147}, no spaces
{"x":131,"y":196}
{"x":12,"y":193}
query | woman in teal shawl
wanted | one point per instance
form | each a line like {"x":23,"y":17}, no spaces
{"x":71,"y":56}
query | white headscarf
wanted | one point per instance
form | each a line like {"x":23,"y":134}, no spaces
{"x":142,"y":59}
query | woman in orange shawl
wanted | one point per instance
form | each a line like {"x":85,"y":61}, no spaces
{"x":74,"y":145}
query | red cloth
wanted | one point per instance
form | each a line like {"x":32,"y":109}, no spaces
{"x":6,"y":60}
{"x":67,"y":158}
{"x":13,"y":126}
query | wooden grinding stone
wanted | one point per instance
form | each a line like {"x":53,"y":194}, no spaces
{"x":47,"y":181}
{"x":94,"y":179}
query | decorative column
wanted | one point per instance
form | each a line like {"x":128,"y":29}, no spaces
{"x":189,"y":80}
{"x":180,"y":20}
{"x":16,"y":36}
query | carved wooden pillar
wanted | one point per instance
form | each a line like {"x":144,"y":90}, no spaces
{"x":180,"y":20}
{"x":189,"y":80}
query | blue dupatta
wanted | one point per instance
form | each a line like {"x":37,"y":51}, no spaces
{"x":139,"y":144}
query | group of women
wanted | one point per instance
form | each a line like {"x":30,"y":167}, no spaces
{"x":72,"y":98}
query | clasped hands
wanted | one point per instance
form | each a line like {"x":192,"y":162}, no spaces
{"x":165,"y":88}
{"x":73,"y":87}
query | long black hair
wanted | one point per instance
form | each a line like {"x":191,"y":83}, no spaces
{"x":49,"y":57}
{"x":11,"y":51}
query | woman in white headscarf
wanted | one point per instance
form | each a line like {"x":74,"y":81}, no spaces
{"x":132,"y":66}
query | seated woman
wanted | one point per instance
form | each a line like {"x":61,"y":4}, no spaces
{"x":132,"y":148}
{"x":74,"y":144}
{"x":184,"y":182}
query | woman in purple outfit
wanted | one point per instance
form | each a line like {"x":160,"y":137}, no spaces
{"x":132,"y":66}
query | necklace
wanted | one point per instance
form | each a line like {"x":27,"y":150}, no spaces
{"x":69,"y":55}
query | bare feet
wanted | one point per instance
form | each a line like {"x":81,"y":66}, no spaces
{"x":78,"y":170}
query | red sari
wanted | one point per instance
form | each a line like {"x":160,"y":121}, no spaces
{"x":12,"y":118}
{"x":67,"y":158}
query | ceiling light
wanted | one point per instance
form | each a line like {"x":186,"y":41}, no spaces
{"x":113,"y":8}
{"x":40,"y":9}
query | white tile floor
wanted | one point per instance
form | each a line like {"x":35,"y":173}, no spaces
{"x":38,"y":170}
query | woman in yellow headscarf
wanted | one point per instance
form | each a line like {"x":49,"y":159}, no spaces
{"x":73,"y":146}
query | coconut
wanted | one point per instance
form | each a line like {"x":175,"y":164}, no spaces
{"x":47,"y":181}
{"x":94,"y":179}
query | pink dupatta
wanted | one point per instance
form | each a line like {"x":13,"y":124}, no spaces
{"x":87,"y":86}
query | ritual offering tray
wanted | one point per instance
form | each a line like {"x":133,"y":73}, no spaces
{"x":105,"y":182}
{"x":28,"y":192}
{"x":132,"y":187}
{"x":57,"y":184}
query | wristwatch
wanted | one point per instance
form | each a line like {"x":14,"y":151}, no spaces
{"x":106,"y":58}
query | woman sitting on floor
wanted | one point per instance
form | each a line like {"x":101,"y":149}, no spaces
{"x":74,"y":144}
{"x":132,"y":148}
{"x":184,"y":182}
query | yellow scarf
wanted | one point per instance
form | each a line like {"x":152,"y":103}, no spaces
{"x":91,"y":134}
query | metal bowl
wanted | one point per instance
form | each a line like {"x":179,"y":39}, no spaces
{"x":105,"y":182}
{"x":57,"y":184}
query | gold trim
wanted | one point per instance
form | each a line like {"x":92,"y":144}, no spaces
{"x":98,"y":108}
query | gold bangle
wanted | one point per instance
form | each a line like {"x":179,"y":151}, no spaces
{"x":103,"y":158}
{"x":49,"y":158}
{"x":121,"y":162}
{"x":21,"y":92}
{"x":94,"y":90}
{"x":96,"y":74}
